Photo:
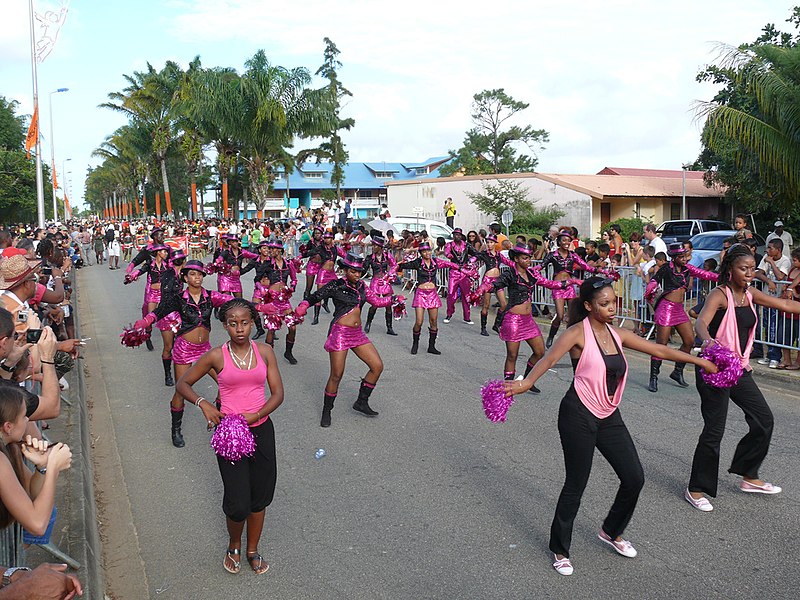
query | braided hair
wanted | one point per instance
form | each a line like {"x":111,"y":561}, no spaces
{"x":733,"y":254}
{"x":234,"y":304}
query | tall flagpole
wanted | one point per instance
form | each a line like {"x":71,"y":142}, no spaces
{"x":39,"y":179}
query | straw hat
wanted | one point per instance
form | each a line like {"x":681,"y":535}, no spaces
{"x":14,"y":271}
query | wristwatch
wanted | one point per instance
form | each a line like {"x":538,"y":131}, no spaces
{"x":9,"y":573}
{"x":5,"y":367}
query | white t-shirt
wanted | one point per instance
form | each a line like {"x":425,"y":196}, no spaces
{"x":212,"y":231}
{"x":659,"y":245}
{"x":786,"y":238}
{"x":783,"y":263}
{"x":647,"y":266}
{"x":234,"y":229}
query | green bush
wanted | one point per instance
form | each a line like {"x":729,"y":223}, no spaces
{"x":627,"y":225}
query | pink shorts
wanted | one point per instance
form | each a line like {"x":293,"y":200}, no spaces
{"x":670,"y":314}
{"x":342,"y":337}
{"x":518,"y":328}
{"x":229,"y":284}
{"x":186,"y":353}
{"x":428,"y":298}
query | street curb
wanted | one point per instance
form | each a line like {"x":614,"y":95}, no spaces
{"x":94,"y":586}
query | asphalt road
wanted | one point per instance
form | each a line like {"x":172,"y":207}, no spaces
{"x":430,"y":499}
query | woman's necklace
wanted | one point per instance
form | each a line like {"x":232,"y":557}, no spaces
{"x":242,"y":363}
{"x":603,"y":340}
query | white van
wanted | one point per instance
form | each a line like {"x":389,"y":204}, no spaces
{"x":435,"y":229}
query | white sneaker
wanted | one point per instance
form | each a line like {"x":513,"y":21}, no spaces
{"x":763,"y":361}
{"x":563,"y":566}
{"x":623,"y":547}
{"x":446,"y":320}
{"x":773,"y":364}
{"x":470,"y":322}
{"x":702,"y":504}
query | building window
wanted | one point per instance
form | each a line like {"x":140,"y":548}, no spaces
{"x":313,"y":175}
{"x":422,"y":170}
{"x":605,"y":213}
{"x":384,"y":175}
{"x":278,"y":176}
{"x":674,"y":211}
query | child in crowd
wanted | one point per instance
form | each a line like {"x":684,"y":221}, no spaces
{"x":604,"y":250}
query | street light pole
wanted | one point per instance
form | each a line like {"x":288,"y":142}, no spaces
{"x":64,"y":178}
{"x":53,"y":155}
{"x":34,"y":78}
{"x":684,"y":167}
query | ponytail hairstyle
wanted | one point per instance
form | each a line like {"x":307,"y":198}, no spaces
{"x":234,"y":304}
{"x":733,"y":254}
{"x":12,"y":400}
{"x":589,"y":290}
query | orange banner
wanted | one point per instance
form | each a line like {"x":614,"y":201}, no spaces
{"x":55,"y":180}
{"x":33,"y":131}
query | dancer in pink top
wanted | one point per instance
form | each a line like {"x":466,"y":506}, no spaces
{"x":729,"y":318}
{"x":589,"y":417}
{"x":243,"y":368}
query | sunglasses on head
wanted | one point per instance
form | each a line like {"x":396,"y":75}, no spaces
{"x":603,"y":283}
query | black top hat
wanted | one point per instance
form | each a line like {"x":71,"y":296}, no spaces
{"x":352,"y":261}
{"x":519,"y":249}
{"x":675,"y":249}
{"x":193,"y":265}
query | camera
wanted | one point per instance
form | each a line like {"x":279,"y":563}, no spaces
{"x":22,"y":316}
{"x":32,"y":336}
{"x":47,"y":271}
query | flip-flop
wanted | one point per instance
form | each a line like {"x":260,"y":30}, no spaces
{"x":793,"y":367}
{"x":262,"y":568}
{"x":237,"y":565}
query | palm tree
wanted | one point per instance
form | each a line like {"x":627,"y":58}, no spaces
{"x":771,"y":132}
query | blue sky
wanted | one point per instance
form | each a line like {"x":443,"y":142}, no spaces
{"x":612,"y":81}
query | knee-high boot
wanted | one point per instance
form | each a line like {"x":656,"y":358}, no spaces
{"x":168,"y":380}
{"x":177,"y":419}
{"x":389,"y":329}
{"x":655,"y":368}
{"x":370,"y":316}
{"x":415,"y":342}
{"x":498,"y":321}
{"x":362,"y":403}
{"x":432,"y":341}
{"x":484,"y":318}
{"x":528,"y":369}
{"x":288,"y":352}
{"x":509,"y":375}
{"x":551,"y":336}
{"x":677,"y":374}
{"x":259,"y":328}
{"x":316,"y":315}
{"x":327,"y":407}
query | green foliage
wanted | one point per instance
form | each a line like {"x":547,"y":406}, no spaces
{"x":511,"y":195}
{"x":627,"y":226}
{"x":487,"y":147}
{"x":12,"y":126}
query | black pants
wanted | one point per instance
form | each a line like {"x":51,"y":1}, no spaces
{"x":450,"y":221}
{"x":752,"y":448}
{"x":581,"y":432}
{"x":250,"y":482}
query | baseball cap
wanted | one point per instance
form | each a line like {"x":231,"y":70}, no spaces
{"x":778,"y":224}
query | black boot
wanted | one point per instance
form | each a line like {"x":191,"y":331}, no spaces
{"x":149,"y":343}
{"x":259,"y":329}
{"x":655,"y":367}
{"x":389,"y":329}
{"x":415,"y":343}
{"x":288,"y":353}
{"x":677,"y":375}
{"x":177,"y":419}
{"x":432,"y":341}
{"x":528,"y":368}
{"x":498,"y":321}
{"x":368,"y":324}
{"x":327,"y":407}
{"x":168,"y":380}
{"x":509,"y":375}
{"x":551,"y":336}
{"x":484,"y":318}
{"x":316,"y":315}
{"x":362,"y":403}
{"x":325,"y":306}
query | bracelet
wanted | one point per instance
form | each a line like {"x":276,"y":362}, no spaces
{"x":199,"y":400}
{"x":46,"y":362}
{"x":7,"y":368}
{"x":41,"y":471}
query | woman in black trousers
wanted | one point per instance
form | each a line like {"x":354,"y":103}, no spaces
{"x":729,"y":318}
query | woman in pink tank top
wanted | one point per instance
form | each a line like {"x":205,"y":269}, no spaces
{"x":729,"y":318}
{"x":243,"y":367}
{"x":589,"y":417}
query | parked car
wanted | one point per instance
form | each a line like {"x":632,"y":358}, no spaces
{"x":709,"y":244}
{"x":435,"y":229}
{"x":680,"y":231}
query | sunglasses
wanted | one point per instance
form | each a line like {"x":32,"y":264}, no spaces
{"x":603,"y":283}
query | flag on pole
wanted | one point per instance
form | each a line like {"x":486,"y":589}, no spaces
{"x":33,"y":132}
{"x":66,"y":203}
{"x":55,"y":180}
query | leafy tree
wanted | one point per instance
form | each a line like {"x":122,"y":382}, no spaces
{"x":627,"y":226}
{"x":507,"y":194}
{"x":487,"y":147}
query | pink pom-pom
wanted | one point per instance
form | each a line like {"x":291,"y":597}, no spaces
{"x":297,"y":262}
{"x":293,"y":319}
{"x":495,"y":401}
{"x":651,"y":290}
{"x":273,"y":322}
{"x":728,"y":364}
{"x":284,"y":295}
{"x":475,"y":297}
{"x":399,"y":309}
{"x":133,"y":337}
{"x":232,"y":439}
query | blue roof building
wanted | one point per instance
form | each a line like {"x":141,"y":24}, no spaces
{"x":363,"y":183}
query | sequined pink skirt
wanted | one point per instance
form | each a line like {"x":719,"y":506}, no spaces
{"x":380,"y":286}
{"x":426,"y":299}
{"x":342,"y":337}
{"x":151,"y":295}
{"x":518,"y":328}
{"x":566,"y":294}
{"x":324,"y":277}
{"x":670,"y":314}
{"x":171,"y":321}
{"x":229,"y":284}
{"x":312,"y":268}
{"x":186,"y":353}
